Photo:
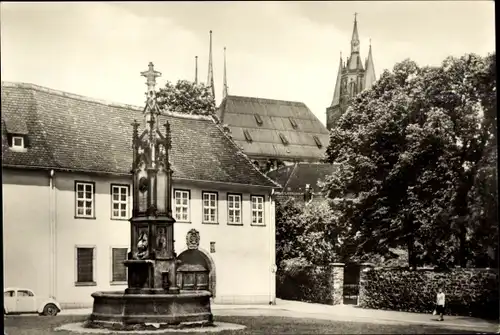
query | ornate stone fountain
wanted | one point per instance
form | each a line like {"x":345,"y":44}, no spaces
{"x":152,"y":295}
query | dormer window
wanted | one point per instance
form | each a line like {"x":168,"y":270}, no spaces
{"x":18,"y":142}
{"x":258,"y":119}
{"x":247,"y":135}
{"x":283,"y":139}
{"x":293,"y":123}
{"x":318,"y":142}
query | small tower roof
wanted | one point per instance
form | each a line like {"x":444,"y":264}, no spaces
{"x":336,"y":92}
{"x":370,"y":70}
{"x":224,"y":89}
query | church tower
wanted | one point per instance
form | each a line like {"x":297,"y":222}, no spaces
{"x":352,"y":78}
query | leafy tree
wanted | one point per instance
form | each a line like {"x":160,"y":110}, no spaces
{"x":308,"y":233}
{"x":413,"y":167}
{"x":187,"y":98}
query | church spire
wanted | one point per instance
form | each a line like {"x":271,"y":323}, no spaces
{"x":224,"y":89}
{"x":336,"y":92}
{"x":355,"y":36}
{"x":196,"y":70}
{"x":210,"y":79}
{"x":370,"y":70}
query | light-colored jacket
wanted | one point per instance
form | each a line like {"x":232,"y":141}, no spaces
{"x":440,"y":299}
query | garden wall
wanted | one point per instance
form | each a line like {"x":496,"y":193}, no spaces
{"x":469,"y":292}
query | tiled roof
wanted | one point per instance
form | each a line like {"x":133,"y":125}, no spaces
{"x":261,"y":126}
{"x":294,"y":178}
{"x":72,"y":132}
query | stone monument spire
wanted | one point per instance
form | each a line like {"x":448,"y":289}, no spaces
{"x":210,"y":79}
{"x":196,"y":69}
{"x":224,"y":89}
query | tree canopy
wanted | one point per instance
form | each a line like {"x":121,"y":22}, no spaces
{"x":417,"y":162}
{"x":186,"y":97}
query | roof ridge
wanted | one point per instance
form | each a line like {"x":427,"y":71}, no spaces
{"x":99,"y":101}
{"x":267,"y":100}
{"x":240,"y":152}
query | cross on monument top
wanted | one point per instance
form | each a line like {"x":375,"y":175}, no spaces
{"x":355,"y":15}
{"x":151,"y":74}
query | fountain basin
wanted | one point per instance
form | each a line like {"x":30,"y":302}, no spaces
{"x":187,"y":307}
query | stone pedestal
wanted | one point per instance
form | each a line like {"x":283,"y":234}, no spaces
{"x":364,"y":268}
{"x":166,"y":309}
{"x":337,"y":282}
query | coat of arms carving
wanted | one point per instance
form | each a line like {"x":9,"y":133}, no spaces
{"x":193,"y":239}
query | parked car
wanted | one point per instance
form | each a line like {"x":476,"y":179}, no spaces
{"x":23,"y":300}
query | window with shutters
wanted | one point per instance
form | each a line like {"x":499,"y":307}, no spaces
{"x":119,"y":202}
{"x":210,"y":207}
{"x":84,"y":200}
{"x":257,"y":210}
{"x":181,"y":205}
{"x":118,"y":269}
{"x":234,"y":209}
{"x":85,"y":264}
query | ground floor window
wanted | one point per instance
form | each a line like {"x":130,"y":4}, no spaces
{"x":85,"y":259}
{"x":119,"y":271}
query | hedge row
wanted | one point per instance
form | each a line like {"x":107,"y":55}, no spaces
{"x":304,"y":283}
{"x":469,"y":292}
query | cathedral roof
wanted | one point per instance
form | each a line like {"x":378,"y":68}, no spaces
{"x":294,"y":178}
{"x":274,"y":128}
{"x":75,"y":133}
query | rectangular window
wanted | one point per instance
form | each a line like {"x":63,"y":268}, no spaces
{"x":209,"y":207}
{"x":84,"y":194}
{"x":119,"y":271}
{"x":18,"y":142}
{"x":234,"y":208}
{"x":119,"y":202}
{"x":257,"y":210}
{"x":283,"y":139}
{"x":293,"y":123}
{"x":247,"y":136}
{"x":258,"y":119}
{"x":84,"y":265}
{"x":181,"y":205}
{"x":318,"y":142}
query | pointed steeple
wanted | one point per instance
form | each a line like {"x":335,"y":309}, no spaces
{"x":196,"y":70}
{"x":355,"y":36}
{"x":210,"y":79}
{"x":336,"y":92}
{"x":224,"y":89}
{"x":370,"y":70}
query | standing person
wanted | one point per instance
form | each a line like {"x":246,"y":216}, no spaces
{"x":440,"y":300}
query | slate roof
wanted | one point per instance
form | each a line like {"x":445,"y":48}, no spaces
{"x":77,"y":133}
{"x":294,"y":178}
{"x":242,"y":114}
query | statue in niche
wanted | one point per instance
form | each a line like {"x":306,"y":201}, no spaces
{"x":142,"y":246}
{"x":161,"y":242}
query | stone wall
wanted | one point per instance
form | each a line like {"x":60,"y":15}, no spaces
{"x":469,"y":292}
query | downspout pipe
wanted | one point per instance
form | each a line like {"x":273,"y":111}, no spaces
{"x":52,"y":236}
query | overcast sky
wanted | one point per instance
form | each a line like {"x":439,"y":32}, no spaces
{"x":275,"y":50}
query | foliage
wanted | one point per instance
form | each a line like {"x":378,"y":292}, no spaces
{"x":470,"y":292}
{"x":308,"y":232}
{"x":187,"y":98}
{"x":297,"y":279}
{"x":416,"y":158}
